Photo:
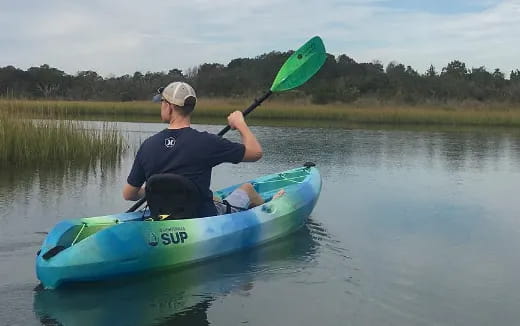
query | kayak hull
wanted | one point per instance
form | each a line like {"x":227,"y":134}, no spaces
{"x":100,"y":248}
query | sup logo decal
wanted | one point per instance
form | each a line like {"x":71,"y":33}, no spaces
{"x":169,"y":142}
{"x":153,"y":241}
{"x":173,"y":237}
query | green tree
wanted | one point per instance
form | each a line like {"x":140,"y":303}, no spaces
{"x":431,"y":72}
{"x":515,"y":75}
{"x":453,"y":83}
{"x":86,"y":85}
{"x":455,"y":69}
{"x":14,"y":82}
{"x":48,"y":82}
{"x":498,"y":75}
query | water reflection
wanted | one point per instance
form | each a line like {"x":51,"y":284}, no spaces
{"x":27,"y":193}
{"x":18,"y":183}
{"x":453,"y":151}
{"x":181,"y":297}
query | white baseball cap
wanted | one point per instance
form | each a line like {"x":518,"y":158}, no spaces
{"x":175,"y":93}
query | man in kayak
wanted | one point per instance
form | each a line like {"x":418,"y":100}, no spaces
{"x":185,"y":151}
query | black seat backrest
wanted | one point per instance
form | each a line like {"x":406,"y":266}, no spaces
{"x":173,"y":195}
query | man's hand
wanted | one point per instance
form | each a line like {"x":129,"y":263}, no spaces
{"x":236,"y":120}
{"x":253,"y":148}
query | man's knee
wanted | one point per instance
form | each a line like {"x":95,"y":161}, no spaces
{"x":247,"y":187}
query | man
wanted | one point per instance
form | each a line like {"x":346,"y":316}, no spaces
{"x":185,"y":151}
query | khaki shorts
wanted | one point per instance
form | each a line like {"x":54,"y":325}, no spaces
{"x":238,"y":198}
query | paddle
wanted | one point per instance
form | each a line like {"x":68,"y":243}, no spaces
{"x":297,"y":69}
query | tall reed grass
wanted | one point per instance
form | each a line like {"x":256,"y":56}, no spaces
{"x":458,"y":114}
{"x":29,"y":142}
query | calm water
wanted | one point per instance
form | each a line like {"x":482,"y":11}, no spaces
{"x":412,"y":228}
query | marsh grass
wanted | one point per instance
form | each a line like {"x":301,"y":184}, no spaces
{"x":29,"y":142}
{"x":363,"y":112}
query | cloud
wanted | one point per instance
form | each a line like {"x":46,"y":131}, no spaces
{"x":483,"y":38}
{"x":124,"y":36}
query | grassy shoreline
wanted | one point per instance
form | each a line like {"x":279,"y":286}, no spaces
{"x":468,"y":114}
{"x":28,"y":143}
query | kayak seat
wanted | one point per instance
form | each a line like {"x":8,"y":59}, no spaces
{"x":171,"y":196}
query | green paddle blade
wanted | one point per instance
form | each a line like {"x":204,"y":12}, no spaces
{"x":300,"y":66}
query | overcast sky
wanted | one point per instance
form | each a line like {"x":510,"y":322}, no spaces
{"x":119,"y":37}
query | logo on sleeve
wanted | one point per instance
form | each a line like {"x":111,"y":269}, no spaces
{"x":169,"y":142}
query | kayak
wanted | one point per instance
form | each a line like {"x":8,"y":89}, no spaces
{"x":108,"y":247}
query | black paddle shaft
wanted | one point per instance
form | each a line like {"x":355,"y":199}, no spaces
{"x":253,"y":106}
{"x":136,"y":205}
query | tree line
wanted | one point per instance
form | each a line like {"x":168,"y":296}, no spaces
{"x":341,"y":79}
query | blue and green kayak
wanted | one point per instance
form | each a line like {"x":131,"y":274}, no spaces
{"x":106,"y":247}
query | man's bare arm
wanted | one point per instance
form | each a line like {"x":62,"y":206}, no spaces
{"x":132,"y":193}
{"x":254,"y":150}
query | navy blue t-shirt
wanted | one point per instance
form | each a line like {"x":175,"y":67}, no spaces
{"x":186,"y":152}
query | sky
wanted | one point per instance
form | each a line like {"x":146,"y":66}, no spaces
{"x":120,"y":37}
